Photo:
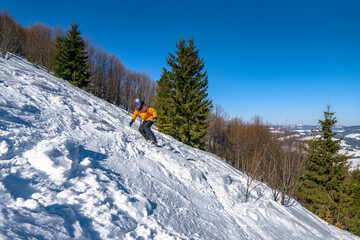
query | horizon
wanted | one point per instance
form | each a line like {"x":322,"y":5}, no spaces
{"x":283,"y":61}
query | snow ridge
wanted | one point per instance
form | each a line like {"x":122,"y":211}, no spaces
{"x":72,"y":168}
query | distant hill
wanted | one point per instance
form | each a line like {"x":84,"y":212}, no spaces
{"x":350,"y":144}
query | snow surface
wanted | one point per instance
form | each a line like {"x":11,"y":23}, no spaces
{"x":72,"y":168}
{"x":354,"y":135}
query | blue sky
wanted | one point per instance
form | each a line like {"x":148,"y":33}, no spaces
{"x":282,"y":60}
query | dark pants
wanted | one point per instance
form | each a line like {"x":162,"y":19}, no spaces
{"x":145,"y":130}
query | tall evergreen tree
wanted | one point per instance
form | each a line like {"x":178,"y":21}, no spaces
{"x":57,"y":63}
{"x":163,"y":103}
{"x":190,"y":103}
{"x":352,"y":218}
{"x":322,"y":185}
{"x":70,"y":60}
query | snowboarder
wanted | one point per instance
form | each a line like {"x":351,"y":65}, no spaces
{"x":149,"y":115}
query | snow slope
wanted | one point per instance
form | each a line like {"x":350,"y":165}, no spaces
{"x":72,"y":168}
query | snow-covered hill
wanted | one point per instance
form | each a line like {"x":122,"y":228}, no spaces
{"x":72,"y":168}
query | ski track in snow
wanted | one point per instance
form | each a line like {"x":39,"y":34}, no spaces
{"x":72,"y":168}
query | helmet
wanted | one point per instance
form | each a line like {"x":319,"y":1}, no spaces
{"x":139,"y":101}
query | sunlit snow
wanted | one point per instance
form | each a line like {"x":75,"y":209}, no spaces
{"x":72,"y":168}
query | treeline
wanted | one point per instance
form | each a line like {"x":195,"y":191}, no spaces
{"x":109,"y":78}
{"x":264,"y":155}
{"x":112,"y":81}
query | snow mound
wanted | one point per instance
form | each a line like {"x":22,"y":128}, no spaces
{"x":72,"y":168}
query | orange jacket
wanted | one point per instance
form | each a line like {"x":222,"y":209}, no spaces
{"x":147,"y":113}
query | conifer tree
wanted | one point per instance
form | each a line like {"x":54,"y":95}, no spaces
{"x":163,"y":103}
{"x":70,"y":60}
{"x":352,"y":218}
{"x":190,"y":103}
{"x":322,"y":185}
{"x":57,"y":63}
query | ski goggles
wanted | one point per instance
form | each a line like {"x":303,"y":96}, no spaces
{"x":138,"y":104}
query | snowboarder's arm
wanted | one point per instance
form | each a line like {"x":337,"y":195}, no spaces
{"x":153,"y":112}
{"x":136,"y":113}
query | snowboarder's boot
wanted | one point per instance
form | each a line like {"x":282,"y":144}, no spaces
{"x":154,"y":142}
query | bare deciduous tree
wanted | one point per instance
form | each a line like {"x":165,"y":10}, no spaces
{"x":292,"y":162}
{"x":247,"y":149}
{"x":216,"y":133}
{"x":11,"y":35}
{"x":286,"y":161}
{"x":113,"y":82}
{"x":38,"y":45}
{"x":260,"y":153}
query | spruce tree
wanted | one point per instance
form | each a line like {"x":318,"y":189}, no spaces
{"x":163,"y":103}
{"x":190,"y":103}
{"x":322,"y":185}
{"x":57,"y":64}
{"x":352,"y":218}
{"x":70,"y":60}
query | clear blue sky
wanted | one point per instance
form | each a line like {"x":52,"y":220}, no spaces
{"x":283,"y":60}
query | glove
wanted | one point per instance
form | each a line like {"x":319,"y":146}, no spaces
{"x":155,"y":120}
{"x":131,"y":122}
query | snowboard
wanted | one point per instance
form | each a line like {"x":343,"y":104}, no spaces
{"x":155,"y":145}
